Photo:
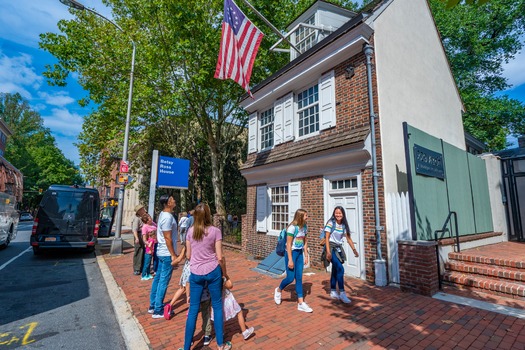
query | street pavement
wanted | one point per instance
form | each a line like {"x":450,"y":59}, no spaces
{"x":377,"y":318}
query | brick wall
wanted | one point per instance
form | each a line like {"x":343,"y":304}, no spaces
{"x":418,"y":267}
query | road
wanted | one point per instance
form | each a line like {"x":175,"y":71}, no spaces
{"x":57,"y":300}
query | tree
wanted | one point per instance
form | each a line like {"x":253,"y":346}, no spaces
{"x":477,"y":41}
{"x":177,"y":47}
{"x":33,"y":151}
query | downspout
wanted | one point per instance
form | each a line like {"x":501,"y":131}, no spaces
{"x":380,"y":264}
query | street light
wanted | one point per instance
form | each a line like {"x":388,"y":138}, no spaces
{"x":116,"y":245}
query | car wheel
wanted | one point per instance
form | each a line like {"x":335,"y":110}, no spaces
{"x":36,"y":251}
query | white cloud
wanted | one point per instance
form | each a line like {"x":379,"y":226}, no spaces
{"x":63,"y":122}
{"x":59,"y":99}
{"x":18,"y":74}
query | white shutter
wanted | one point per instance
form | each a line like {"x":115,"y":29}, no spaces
{"x":288,"y":117}
{"x":327,"y":101}
{"x":252,"y":133}
{"x":294,"y":199}
{"x":278,"y":122}
{"x":261,"y":208}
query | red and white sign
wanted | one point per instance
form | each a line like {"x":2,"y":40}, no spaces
{"x":124,"y":167}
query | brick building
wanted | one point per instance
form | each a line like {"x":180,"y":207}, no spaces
{"x":310,"y":134}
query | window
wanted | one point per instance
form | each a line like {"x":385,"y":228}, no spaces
{"x":344,"y":184}
{"x":267,"y":128}
{"x":305,"y":37}
{"x":308,"y":110}
{"x":279,"y":198}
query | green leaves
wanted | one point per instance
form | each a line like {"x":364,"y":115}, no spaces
{"x":454,"y":3}
{"x":478,"y":40}
{"x":33,"y":151}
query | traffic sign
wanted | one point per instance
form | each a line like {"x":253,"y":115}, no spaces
{"x":124,"y":167}
{"x":123,"y":179}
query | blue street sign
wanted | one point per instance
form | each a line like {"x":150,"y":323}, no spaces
{"x":173,"y":173}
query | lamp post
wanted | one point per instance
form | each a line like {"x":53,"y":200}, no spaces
{"x":116,"y":245}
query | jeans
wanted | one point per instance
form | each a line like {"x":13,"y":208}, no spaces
{"x":338,"y":272}
{"x":147,"y":262}
{"x":160,"y":284}
{"x":155,"y":260}
{"x":296,"y":273}
{"x":197,"y":283}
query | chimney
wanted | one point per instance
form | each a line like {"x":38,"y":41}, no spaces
{"x":521,"y":141}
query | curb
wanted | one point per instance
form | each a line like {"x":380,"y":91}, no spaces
{"x":132,"y":331}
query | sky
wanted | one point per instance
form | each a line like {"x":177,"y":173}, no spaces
{"x":22,"y":64}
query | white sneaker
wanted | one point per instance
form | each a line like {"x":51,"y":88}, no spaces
{"x":277,"y":296}
{"x":304,"y":307}
{"x":344,"y":298}
{"x":334,"y":295}
{"x":246,"y":334}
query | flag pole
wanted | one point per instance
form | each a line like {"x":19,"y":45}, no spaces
{"x":271,"y":25}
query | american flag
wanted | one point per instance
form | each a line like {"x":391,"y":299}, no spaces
{"x":239,"y":44}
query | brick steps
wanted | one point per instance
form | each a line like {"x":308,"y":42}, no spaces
{"x":483,"y":273}
{"x":491,"y":271}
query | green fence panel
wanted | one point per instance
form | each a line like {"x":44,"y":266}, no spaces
{"x":480,"y":192}
{"x":459,"y":190}
{"x":429,"y":193}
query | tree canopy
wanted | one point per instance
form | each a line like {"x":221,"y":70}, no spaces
{"x":478,"y":40}
{"x":177,"y":47}
{"x":32,"y":149}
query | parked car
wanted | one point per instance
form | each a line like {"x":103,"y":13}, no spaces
{"x":67,"y":217}
{"x":8,"y":219}
{"x":25,"y":216}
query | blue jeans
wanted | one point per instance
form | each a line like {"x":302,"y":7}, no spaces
{"x":160,"y":284}
{"x":147,"y":263}
{"x":197,"y":283}
{"x":155,"y":260}
{"x":296,"y":273}
{"x":338,"y":272}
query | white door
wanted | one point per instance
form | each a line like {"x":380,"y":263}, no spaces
{"x":351,"y":205}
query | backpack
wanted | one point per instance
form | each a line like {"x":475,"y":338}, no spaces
{"x":280,"y":249}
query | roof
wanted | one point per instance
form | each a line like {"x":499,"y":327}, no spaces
{"x":339,"y":139}
{"x":511,"y":153}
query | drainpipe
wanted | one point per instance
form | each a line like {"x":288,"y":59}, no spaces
{"x":380,"y":264}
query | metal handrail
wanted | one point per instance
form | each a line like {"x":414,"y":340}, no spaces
{"x":443,"y":230}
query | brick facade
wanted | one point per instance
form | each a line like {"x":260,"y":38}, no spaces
{"x":418,"y":267}
{"x":352,"y":113}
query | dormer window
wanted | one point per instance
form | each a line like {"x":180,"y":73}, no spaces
{"x":306,"y":36}
{"x":312,"y":26}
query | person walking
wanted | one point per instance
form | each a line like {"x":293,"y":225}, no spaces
{"x":295,"y":259}
{"x":204,"y":250}
{"x":335,"y":230}
{"x":166,"y":248}
{"x":183,"y":226}
{"x":138,"y":242}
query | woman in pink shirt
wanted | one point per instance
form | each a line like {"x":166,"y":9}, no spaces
{"x":204,"y":250}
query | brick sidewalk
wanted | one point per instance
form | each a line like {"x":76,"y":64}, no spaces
{"x":377,"y":318}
